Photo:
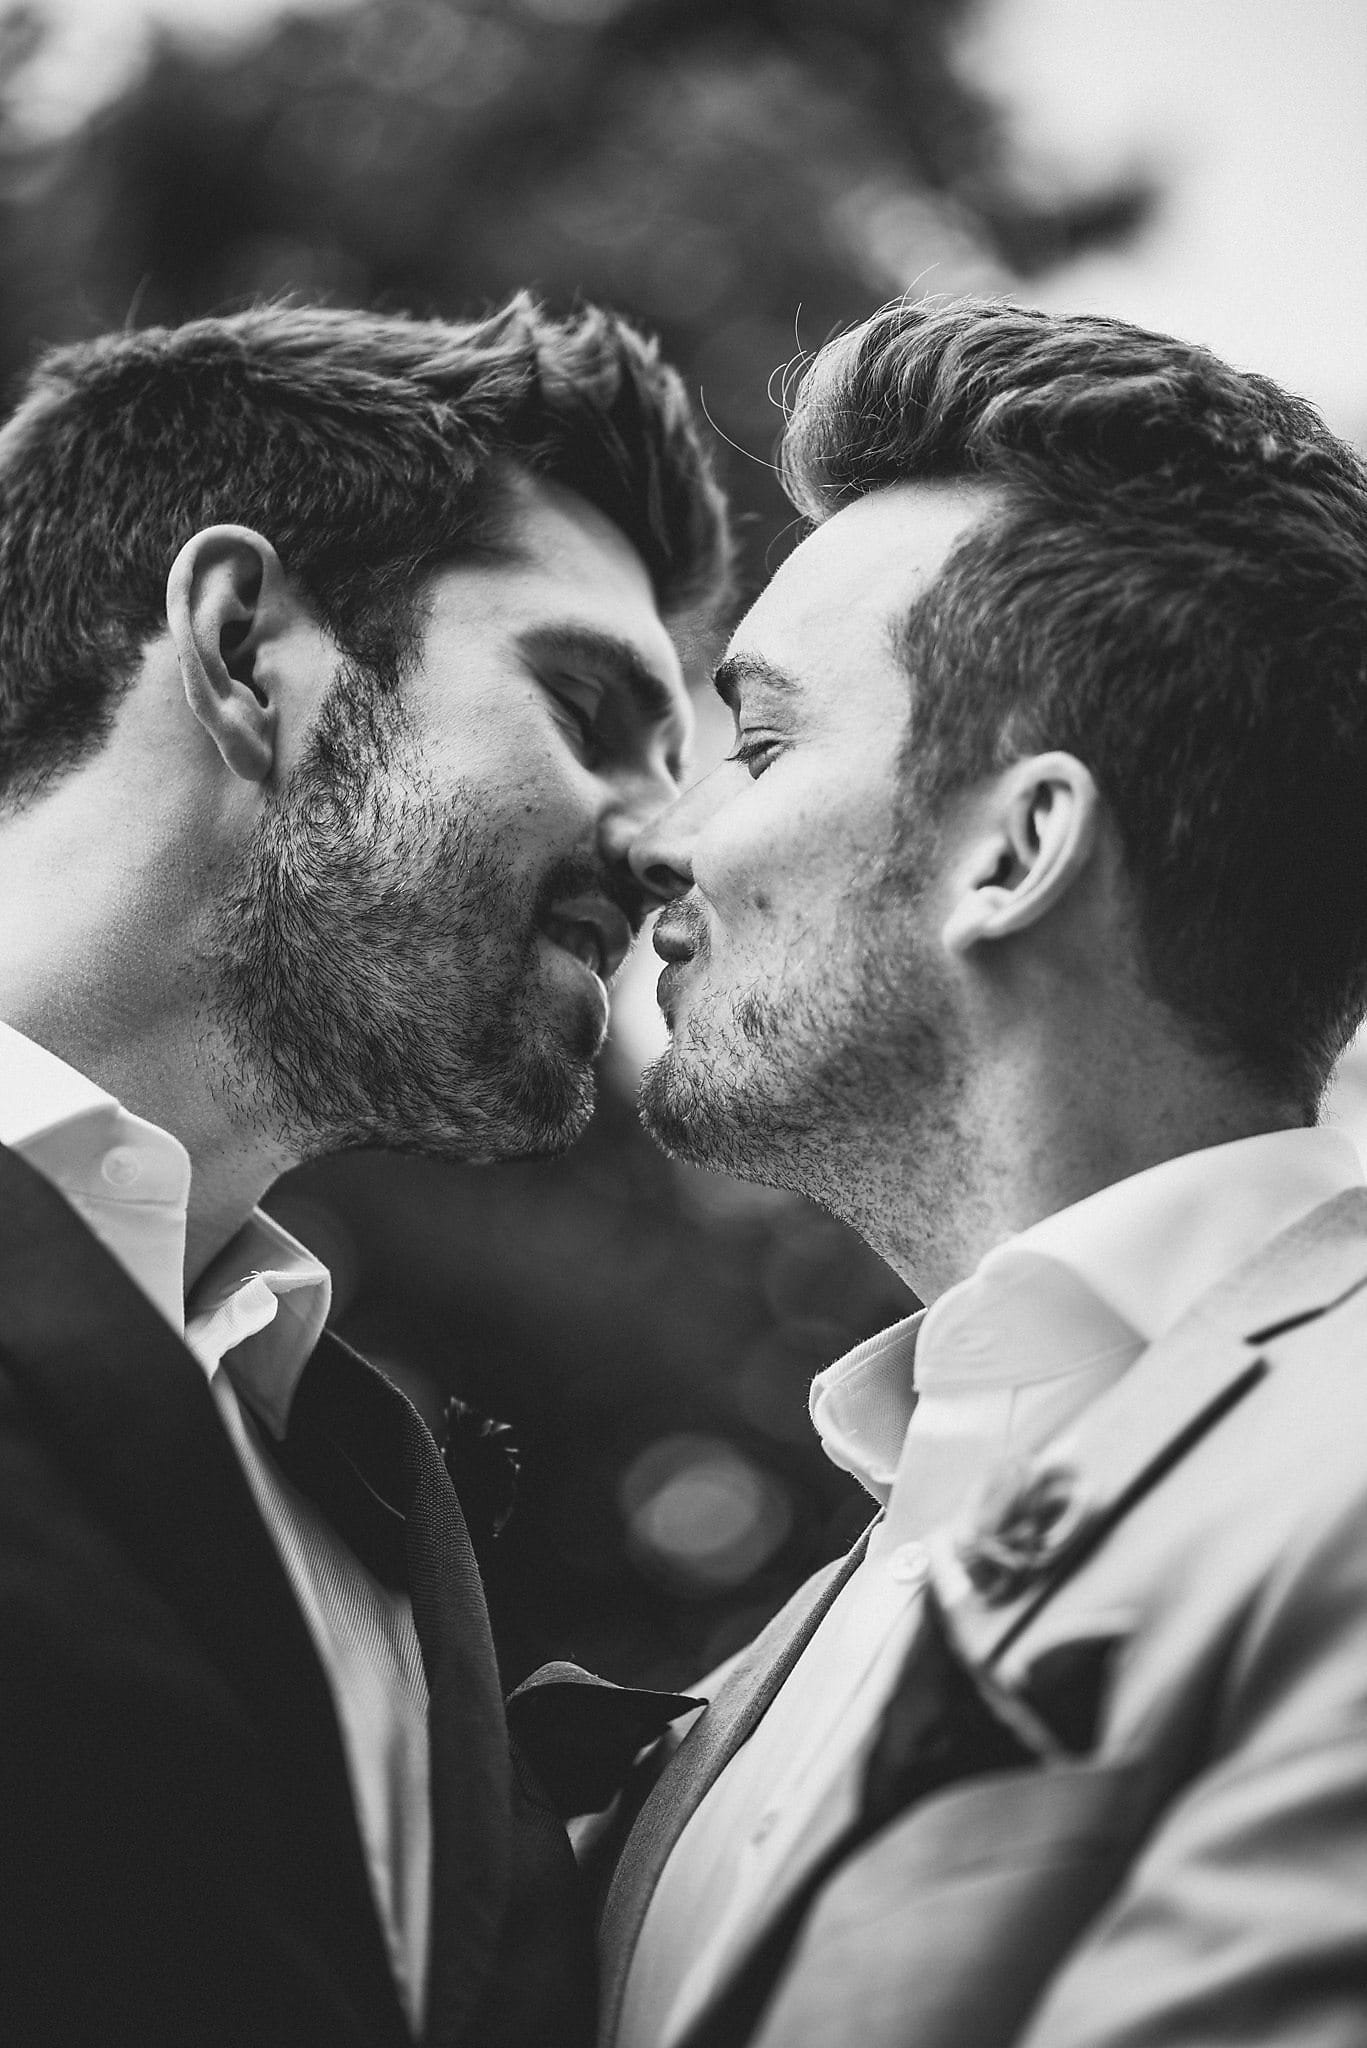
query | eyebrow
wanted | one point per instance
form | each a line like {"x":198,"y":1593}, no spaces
{"x":617,"y":661}
{"x":739,"y":670}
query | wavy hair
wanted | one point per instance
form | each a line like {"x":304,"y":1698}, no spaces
{"x":368,"y":448}
{"x":1172,"y":586}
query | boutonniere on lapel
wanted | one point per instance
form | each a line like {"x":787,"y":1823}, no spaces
{"x":483,"y":1461}
{"x":1027,"y":1521}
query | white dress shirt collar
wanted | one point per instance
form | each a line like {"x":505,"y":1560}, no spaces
{"x":1078,"y":1295}
{"x":264,"y":1300}
{"x":264,"y":1297}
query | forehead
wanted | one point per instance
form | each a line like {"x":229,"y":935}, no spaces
{"x":834,"y":605}
{"x":563,"y":550}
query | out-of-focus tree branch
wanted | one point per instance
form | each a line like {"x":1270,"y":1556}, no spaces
{"x":744,"y":175}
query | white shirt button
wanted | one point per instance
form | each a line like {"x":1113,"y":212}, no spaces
{"x":121,"y":1167}
{"x":909,"y":1564}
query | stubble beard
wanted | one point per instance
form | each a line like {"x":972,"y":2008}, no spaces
{"x":820,"y":1084}
{"x":377,"y":977}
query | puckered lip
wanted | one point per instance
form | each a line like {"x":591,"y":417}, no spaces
{"x":594,"y":930}
{"x":672,"y":942}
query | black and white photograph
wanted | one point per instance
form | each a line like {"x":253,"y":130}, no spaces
{"x":683,"y":1024}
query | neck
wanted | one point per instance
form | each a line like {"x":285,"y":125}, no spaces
{"x":179,"y":1083}
{"x":105,"y":970}
{"x":1022,"y":1145}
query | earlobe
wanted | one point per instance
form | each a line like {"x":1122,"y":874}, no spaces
{"x":1037,"y":838}
{"x":223,"y":598}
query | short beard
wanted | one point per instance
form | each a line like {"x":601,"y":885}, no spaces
{"x":752,"y":1109}
{"x":806,"y":1082}
{"x":817,"y":1084}
{"x":376,"y":972}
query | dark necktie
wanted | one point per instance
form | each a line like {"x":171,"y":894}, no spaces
{"x":359,"y":1448}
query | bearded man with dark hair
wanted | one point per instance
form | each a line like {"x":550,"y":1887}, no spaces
{"x":1022,"y":930}
{"x":337,"y":673}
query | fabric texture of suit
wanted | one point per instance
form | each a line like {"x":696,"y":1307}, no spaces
{"x":1179,"y":1645}
{"x":179,"y":1854}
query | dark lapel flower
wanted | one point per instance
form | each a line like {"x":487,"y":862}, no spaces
{"x":483,"y":1461}
{"x":1029,"y":1519}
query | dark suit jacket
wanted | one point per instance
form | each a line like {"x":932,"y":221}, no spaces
{"x":1179,"y":1857}
{"x":179,"y":1856}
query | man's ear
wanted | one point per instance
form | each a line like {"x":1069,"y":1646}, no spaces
{"x":1034,"y":834}
{"x":226,"y":596}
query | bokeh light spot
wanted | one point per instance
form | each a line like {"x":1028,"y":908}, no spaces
{"x":701,"y":1515}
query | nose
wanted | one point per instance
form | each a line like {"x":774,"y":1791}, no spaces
{"x":635,"y":799}
{"x":660,"y":855}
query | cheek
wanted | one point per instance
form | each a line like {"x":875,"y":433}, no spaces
{"x":535,"y":810}
{"x":781,"y":863}
{"x":511,"y":761}
{"x":748,"y":865}
{"x":780,"y":870}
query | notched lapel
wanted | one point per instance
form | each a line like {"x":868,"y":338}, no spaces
{"x":1117,"y":1451}
{"x":1132,"y":1435}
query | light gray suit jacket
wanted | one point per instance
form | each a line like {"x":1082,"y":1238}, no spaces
{"x":1197,"y":1874}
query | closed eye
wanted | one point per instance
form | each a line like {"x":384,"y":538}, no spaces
{"x":614,"y":699}
{"x":576,"y":708}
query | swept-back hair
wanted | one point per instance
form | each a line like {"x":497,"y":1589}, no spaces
{"x":368,"y":448}
{"x":1172,"y":587}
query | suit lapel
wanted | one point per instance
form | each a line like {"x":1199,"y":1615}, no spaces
{"x":1181,"y":1387}
{"x":713,"y":1740}
{"x":1120,"y":1447}
{"x":128,"y":1410}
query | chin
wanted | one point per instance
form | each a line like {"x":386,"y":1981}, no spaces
{"x":685,"y":1108}
{"x":535,"y":1104}
{"x":736,"y":1110}
{"x":558,"y":1125}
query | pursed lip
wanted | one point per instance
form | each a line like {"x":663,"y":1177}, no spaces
{"x":594,"y":930}
{"x":672,"y":942}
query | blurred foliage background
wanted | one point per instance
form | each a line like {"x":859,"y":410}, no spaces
{"x":743,"y":176}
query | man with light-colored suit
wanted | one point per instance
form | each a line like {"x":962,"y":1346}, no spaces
{"x":1022,"y":929}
